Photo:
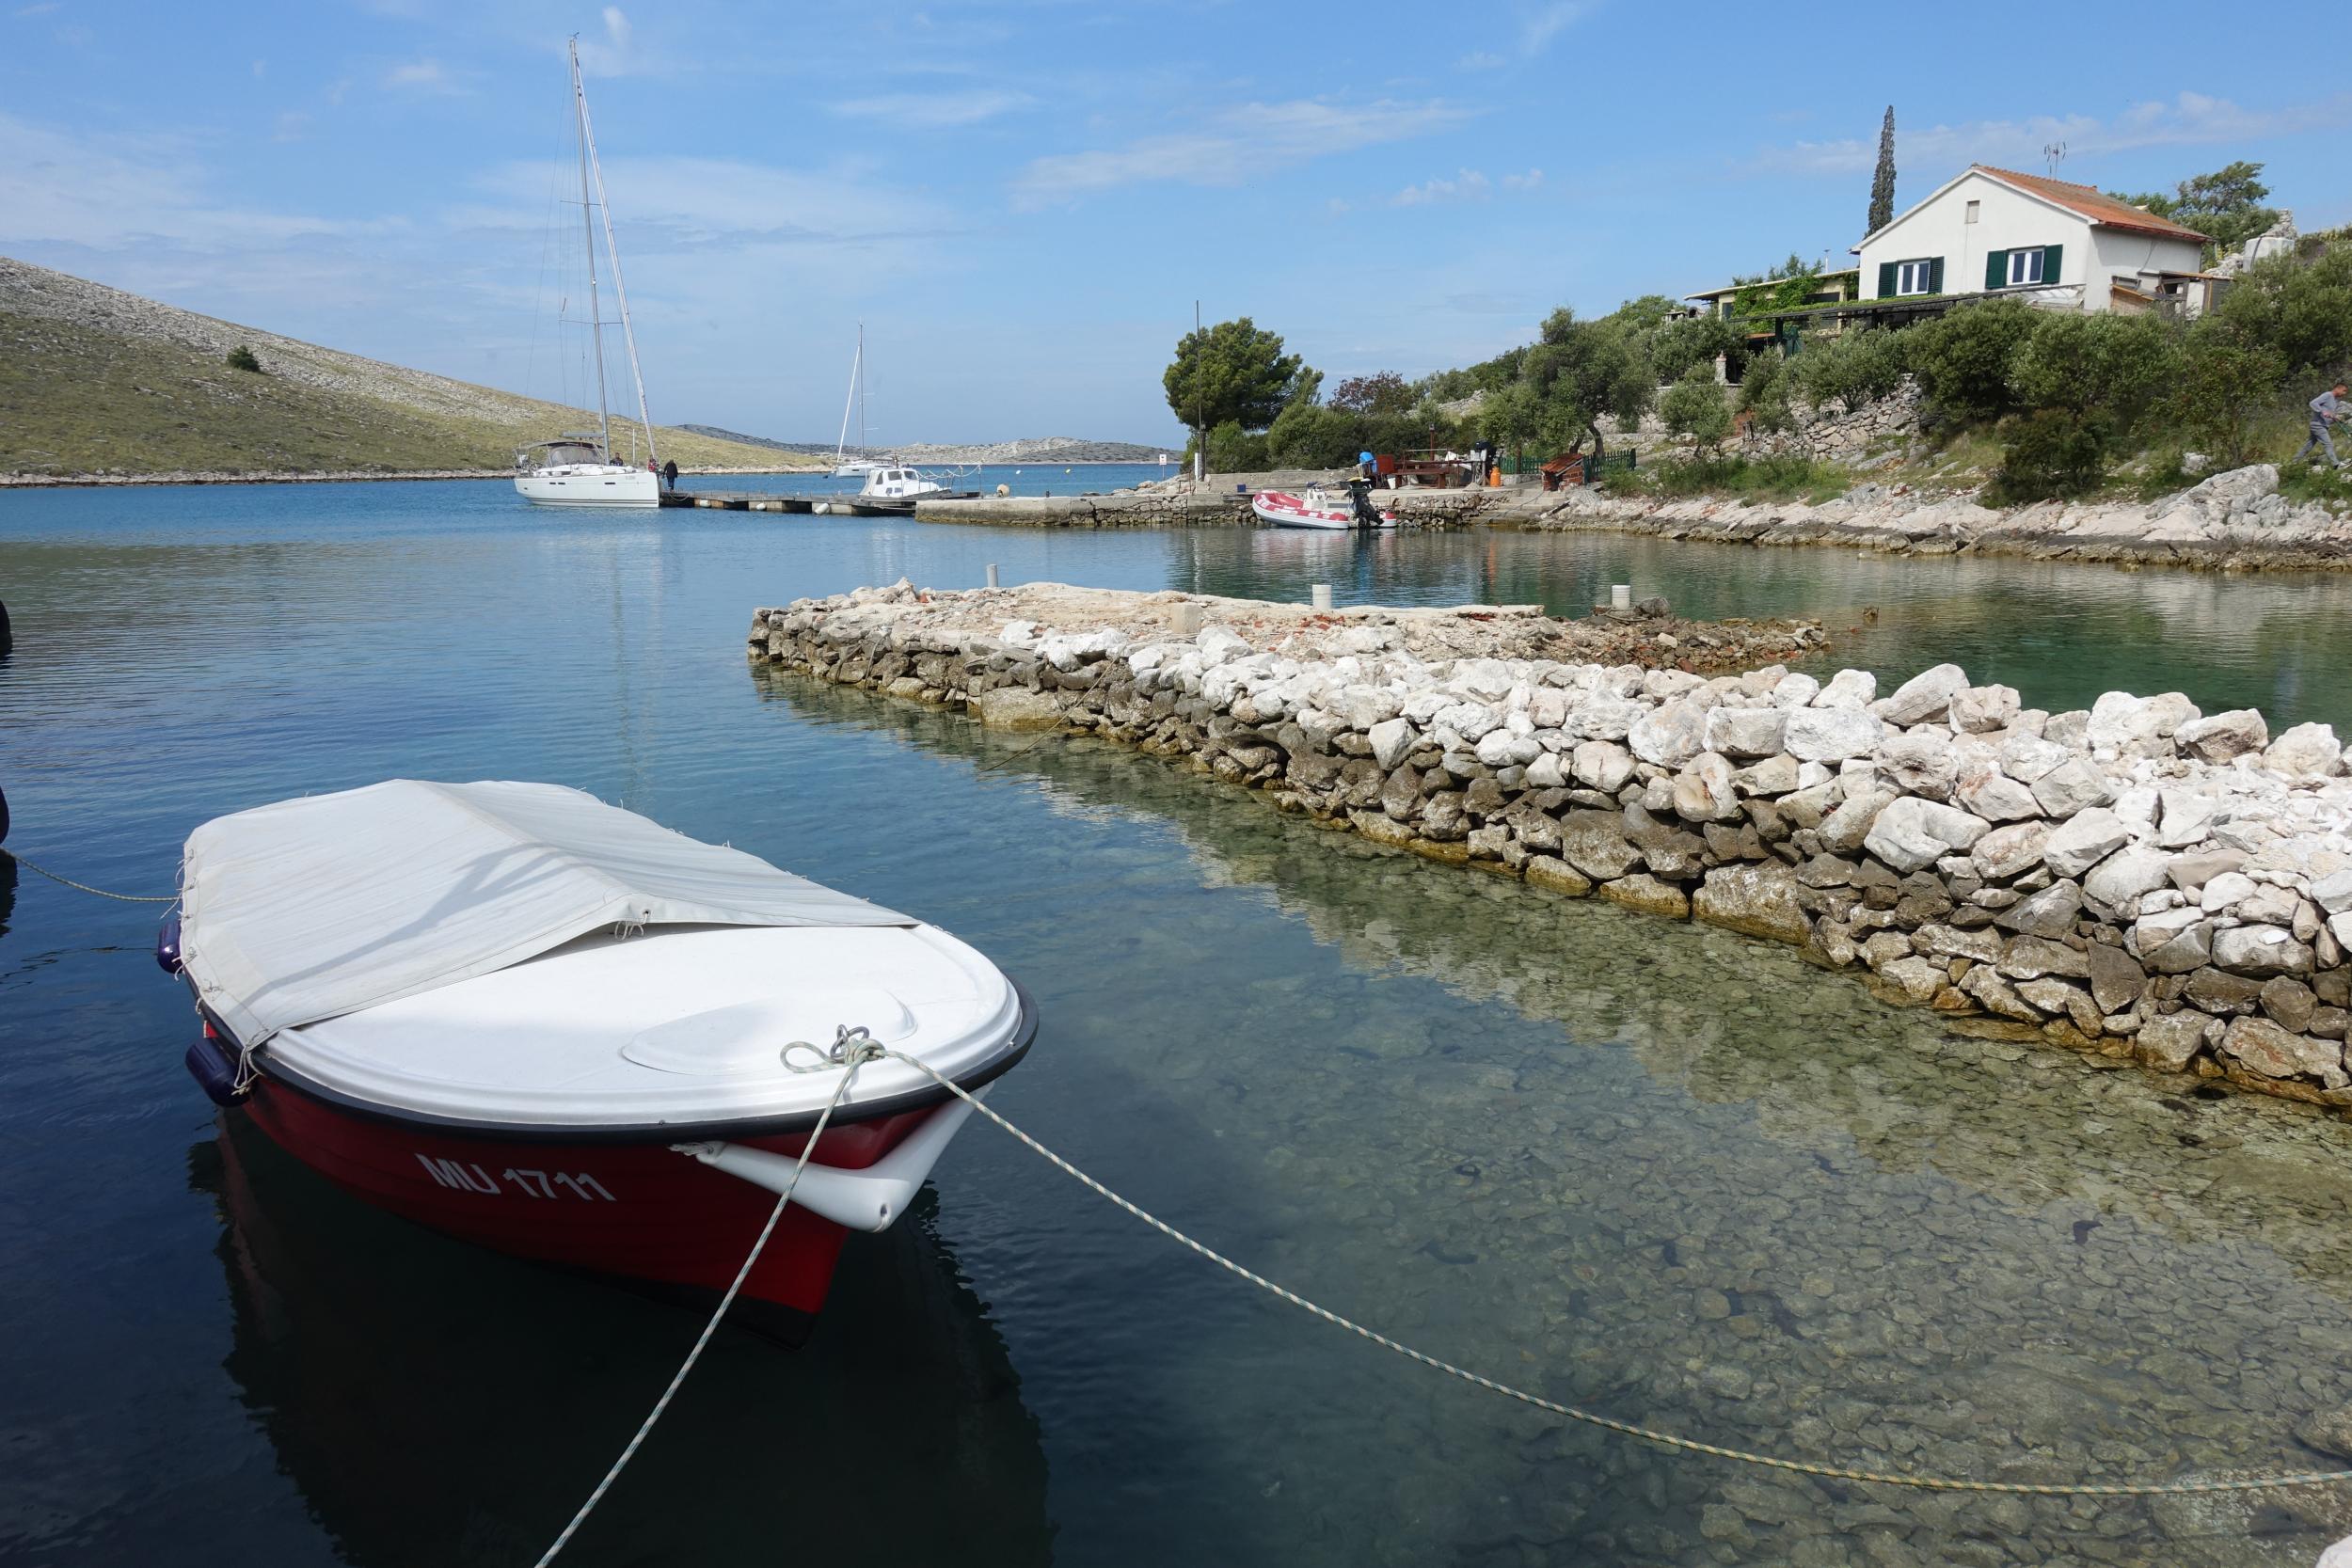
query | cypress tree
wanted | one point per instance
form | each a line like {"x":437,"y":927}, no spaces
{"x":1883,"y":182}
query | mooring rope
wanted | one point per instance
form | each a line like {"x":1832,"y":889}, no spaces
{"x":85,"y":887}
{"x":1609,"y":1423}
{"x":852,"y":1049}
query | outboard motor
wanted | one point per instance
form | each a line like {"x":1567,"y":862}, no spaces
{"x":1360,"y":494}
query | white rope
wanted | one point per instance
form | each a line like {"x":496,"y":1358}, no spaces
{"x":85,"y":887}
{"x":852,"y":1049}
{"x":1629,"y":1429}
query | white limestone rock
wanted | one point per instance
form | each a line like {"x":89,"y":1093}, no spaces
{"x":1924,"y":696}
{"x":2306,"y":752}
{"x":2072,"y":786}
{"x":1912,"y":833}
{"x":2223,"y":737}
{"x":1669,"y":736}
{"x":1849,"y":689}
{"x":2083,"y":840}
{"x":2119,"y":880}
{"x":1745,"y":731}
{"x":1602,"y":765}
{"x":1831,"y":733}
{"x":1982,"y":709}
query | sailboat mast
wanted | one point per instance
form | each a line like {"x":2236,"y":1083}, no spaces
{"x":588,"y":239}
{"x":620,"y":286}
{"x":849,"y":402}
{"x":861,"y":389}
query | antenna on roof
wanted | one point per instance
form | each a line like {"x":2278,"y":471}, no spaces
{"x":2055,"y":153}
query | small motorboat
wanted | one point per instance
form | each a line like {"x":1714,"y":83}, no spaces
{"x":1318,"y":508}
{"x":520,"y":1016}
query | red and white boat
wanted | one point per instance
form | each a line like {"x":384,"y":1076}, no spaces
{"x":517,"y":1015}
{"x":1317,"y":508}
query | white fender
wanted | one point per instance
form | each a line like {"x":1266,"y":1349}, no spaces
{"x":868,"y":1199}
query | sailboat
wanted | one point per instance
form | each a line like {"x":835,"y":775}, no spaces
{"x":577,"y":467}
{"x":844,"y":466}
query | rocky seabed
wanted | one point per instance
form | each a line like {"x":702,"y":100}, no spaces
{"x":2140,"y":883}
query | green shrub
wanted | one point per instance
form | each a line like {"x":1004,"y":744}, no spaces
{"x":1310,"y":435}
{"x":241,"y":358}
{"x":2300,"y":310}
{"x":1233,"y":451}
{"x":1857,"y":368}
{"x":1786,"y":476}
{"x":1764,"y":391}
{"x":2047,"y":455}
{"x":1963,"y":358}
{"x":2114,"y":366}
{"x":1694,"y":406}
{"x":2223,"y":387}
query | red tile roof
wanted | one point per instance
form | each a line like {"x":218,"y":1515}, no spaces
{"x":2093,"y":204}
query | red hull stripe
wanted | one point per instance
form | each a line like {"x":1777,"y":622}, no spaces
{"x":634,"y":1210}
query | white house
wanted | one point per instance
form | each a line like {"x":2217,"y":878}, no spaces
{"x":2056,"y":242}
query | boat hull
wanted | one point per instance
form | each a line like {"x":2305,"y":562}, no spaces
{"x":635,"y":1212}
{"x":1288,"y":510}
{"x":590,"y":486}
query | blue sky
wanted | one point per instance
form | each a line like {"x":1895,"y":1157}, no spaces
{"x":1021,"y":200}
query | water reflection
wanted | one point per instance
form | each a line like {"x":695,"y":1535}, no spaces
{"x":439,"y":1404}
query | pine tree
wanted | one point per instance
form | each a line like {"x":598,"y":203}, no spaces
{"x":1883,"y":182}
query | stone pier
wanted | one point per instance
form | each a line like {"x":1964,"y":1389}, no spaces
{"x":2139,"y":881}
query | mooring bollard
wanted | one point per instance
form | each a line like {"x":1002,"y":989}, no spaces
{"x":1185,"y":620}
{"x":1621,"y":595}
{"x":991,"y":573}
{"x":1322,"y":595}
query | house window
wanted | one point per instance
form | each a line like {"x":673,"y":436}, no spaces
{"x":1915,"y":278}
{"x":1973,"y":208}
{"x":2025,"y":266}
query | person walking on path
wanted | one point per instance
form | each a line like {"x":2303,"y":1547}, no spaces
{"x":2326,"y":409}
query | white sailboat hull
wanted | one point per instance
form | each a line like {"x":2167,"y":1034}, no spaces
{"x":590,"y":485}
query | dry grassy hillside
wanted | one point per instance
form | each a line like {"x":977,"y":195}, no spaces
{"x":94,"y":381}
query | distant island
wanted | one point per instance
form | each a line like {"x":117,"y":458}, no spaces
{"x":1043,"y":450}
{"x":98,"y":386}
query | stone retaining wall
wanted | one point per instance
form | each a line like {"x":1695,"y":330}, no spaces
{"x":2140,"y":882}
{"x":2235,"y":521}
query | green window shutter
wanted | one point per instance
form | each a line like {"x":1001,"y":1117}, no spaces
{"x":2051,"y":256}
{"x":1935,"y":276}
{"x":1996,"y":270}
{"x":1886,"y":280}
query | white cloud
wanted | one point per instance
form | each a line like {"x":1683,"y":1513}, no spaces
{"x":25,"y":13}
{"x":260,"y":68}
{"x":1479,"y":59}
{"x":1547,"y":22}
{"x":426,"y":75}
{"x":617,"y":54}
{"x":294,"y":125}
{"x":1469,"y":185}
{"x":932,"y":111}
{"x":1942,"y":150}
{"x":102,"y":192}
{"x":1236,"y":144}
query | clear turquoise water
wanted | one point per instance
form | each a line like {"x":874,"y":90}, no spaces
{"x":1659,"y":1170}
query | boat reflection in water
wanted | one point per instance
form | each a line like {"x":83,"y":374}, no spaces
{"x":439,"y":1404}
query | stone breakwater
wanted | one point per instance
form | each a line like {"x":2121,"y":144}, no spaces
{"x":2139,"y":881}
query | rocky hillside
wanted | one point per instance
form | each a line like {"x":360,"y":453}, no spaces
{"x":96,"y":382}
{"x":1042,"y":449}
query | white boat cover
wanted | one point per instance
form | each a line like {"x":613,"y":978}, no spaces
{"x":311,"y":909}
